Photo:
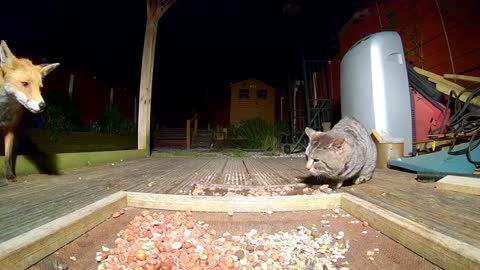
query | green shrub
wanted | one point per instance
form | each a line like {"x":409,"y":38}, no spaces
{"x":259,"y":134}
{"x":112,"y":122}
{"x":61,"y":114}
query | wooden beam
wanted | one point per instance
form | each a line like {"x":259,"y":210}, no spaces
{"x":26,"y":249}
{"x":442,"y":250}
{"x":438,"y":79}
{"x":240,"y":204}
{"x":469,"y":185}
{"x":462,"y":77}
{"x":155,"y":10}
{"x":445,"y":89}
{"x":195,"y":126}
{"x":445,"y":86}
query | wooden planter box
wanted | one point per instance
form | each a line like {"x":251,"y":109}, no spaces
{"x":25,"y":250}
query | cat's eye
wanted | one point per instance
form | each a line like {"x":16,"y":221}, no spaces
{"x":25,"y":84}
{"x":316,"y":160}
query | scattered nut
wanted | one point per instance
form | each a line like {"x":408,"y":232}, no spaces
{"x":141,"y":255}
{"x":178,"y":241}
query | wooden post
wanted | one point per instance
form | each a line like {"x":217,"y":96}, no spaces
{"x":155,"y":10}
{"x":135,"y":111}
{"x":111,"y":96}
{"x":195,"y":126}
{"x":70,"y":86}
{"x":188,"y":134}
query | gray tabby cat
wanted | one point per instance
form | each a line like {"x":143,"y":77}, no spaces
{"x":343,"y":153}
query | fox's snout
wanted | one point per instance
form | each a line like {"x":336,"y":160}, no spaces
{"x":35,"y":104}
{"x":35,"y":107}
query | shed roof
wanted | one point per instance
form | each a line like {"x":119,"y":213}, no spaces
{"x":249,"y":81}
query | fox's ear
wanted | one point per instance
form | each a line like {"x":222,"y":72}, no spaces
{"x":5,"y":54}
{"x":47,"y":68}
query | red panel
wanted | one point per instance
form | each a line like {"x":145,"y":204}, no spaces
{"x":427,"y":117}
{"x":419,"y":21}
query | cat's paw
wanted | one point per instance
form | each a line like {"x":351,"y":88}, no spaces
{"x":361,"y":179}
{"x":339,"y":185}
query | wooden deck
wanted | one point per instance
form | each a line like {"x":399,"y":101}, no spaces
{"x":37,"y":199}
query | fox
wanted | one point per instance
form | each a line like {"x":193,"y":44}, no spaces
{"x":20,"y":88}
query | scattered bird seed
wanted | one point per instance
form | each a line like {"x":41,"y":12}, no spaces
{"x":178,"y":241}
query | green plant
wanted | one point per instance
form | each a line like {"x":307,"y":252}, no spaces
{"x":259,"y":134}
{"x":112,"y":122}
{"x":61,"y":113}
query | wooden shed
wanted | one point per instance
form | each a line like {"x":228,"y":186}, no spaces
{"x":250,"y":99}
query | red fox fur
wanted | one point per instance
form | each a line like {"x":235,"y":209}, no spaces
{"x":20,"y":84}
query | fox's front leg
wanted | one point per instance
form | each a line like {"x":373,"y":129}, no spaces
{"x":9,"y":140}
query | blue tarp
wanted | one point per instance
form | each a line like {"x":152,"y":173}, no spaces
{"x":440,"y":162}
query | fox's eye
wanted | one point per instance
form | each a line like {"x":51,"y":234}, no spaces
{"x":25,"y":84}
{"x":316,"y":160}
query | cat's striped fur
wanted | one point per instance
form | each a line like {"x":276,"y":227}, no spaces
{"x":343,"y":153}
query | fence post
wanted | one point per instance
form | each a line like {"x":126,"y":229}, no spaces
{"x":188,"y":134}
{"x":195,"y":126}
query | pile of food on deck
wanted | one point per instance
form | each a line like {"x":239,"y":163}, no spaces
{"x":177,"y":241}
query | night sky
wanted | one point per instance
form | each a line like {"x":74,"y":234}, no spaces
{"x":200,"y":44}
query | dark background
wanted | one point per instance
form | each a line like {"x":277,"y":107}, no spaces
{"x":202,"y":46}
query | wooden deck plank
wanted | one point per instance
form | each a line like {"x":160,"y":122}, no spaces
{"x":235,"y":173}
{"x":25,"y":250}
{"x":445,"y":251}
{"x":264,"y":175}
{"x":207,"y":174}
{"x":468,"y":185}
{"x":66,"y":193}
{"x":284,"y":170}
{"x":454,"y":214}
{"x":184,"y":172}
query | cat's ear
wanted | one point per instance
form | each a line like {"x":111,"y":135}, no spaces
{"x":338,"y":143}
{"x":311,"y":132}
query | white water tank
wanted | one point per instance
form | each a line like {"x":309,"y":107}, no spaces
{"x":374,"y":86}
